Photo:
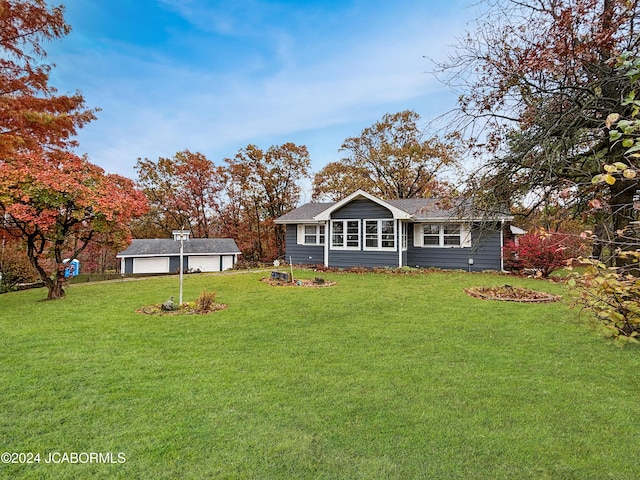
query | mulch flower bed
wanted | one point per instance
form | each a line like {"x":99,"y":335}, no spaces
{"x":508,"y":293}
{"x":299,"y":282}
{"x":185,"y":309}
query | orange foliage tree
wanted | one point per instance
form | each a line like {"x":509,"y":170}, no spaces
{"x":391,"y":159}
{"x":57,"y":203}
{"x":183,"y":191}
{"x":262,"y":187}
{"x":32,"y":115}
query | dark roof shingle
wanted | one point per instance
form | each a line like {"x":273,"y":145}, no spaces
{"x":418,"y":208}
{"x":165,"y":246}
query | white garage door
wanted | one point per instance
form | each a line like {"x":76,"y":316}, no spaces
{"x":151,"y":265}
{"x":227,"y":262}
{"x":205,"y":264}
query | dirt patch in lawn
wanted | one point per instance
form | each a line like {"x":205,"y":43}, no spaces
{"x":508,"y":293}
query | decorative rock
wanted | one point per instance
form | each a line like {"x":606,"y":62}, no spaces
{"x":169,"y":305}
{"x":281,"y":276}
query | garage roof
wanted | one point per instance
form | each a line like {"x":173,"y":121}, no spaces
{"x":147,"y":247}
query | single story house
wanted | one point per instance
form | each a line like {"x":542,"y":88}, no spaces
{"x":162,"y":255}
{"x":362,"y":230}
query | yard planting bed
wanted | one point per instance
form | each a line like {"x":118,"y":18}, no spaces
{"x":509,"y":293}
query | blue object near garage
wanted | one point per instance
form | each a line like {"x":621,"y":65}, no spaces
{"x":72,"y":267}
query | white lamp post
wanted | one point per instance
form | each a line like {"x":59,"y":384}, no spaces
{"x":181,"y":266}
{"x":181,"y":235}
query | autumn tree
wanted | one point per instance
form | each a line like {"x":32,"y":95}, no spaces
{"x":263,"y":186}
{"x":392,"y":159}
{"x":57,"y":203}
{"x":538,"y":81}
{"x":33,"y":116}
{"x":183,"y":192}
{"x":51,"y":200}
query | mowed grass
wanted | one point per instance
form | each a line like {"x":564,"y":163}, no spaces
{"x":378,"y":377}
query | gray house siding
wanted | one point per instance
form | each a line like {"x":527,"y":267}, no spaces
{"x":302,"y":254}
{"x":174,"y":263}
{"x":356,"y":258}
{"x":361,"y":209}
{"x":485,"y":251}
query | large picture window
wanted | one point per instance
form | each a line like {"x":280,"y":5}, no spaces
{"x":379,"y":235}
{"x":442,"y":235}
{"x":345,"y":234}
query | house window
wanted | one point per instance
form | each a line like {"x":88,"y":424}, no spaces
{"x":405,"y":241}
{"x":443,"y":235}
{"x":431,"y":235}
{"x":379,"y":234}
{"x":345,"y":234}
{"x":451,"y":235}
{"x":314,"y":234}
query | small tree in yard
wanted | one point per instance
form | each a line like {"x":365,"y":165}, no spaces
{"x":57,"y":203}
{"x":541,"y":251}
{"x":612,"y":294}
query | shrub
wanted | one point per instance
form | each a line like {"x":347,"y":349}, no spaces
{"x":15,"y":267}
{"x":541,"y":251}
{"x":206,"y":301}
{"x":612,"y":294}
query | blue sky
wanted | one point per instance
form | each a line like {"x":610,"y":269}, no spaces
{"x":215,"y":76}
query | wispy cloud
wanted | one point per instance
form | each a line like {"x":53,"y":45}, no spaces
{"x":285,"y":83}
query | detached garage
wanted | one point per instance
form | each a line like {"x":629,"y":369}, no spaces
{"x":162,"y":255}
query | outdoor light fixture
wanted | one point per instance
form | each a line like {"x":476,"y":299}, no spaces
{"x":181,"y":235}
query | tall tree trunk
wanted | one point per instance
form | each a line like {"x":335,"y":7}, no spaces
{"x":280,"y":240}
{"x":55,"y":288}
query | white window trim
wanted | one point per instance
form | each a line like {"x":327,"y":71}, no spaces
{"x":301,"y":234}
{"x":379,"y":235}
{"x":344,"y":233}
{"x":404,"y":235}
{"x":465,"y":235}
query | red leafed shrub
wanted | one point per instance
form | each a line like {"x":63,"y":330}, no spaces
{"x":541,"y":251}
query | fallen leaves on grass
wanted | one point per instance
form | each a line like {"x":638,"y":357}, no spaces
{"x":509,"y":293}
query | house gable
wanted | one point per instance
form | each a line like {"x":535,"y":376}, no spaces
{"x":358,"y":195}
{"x":362,"y":208}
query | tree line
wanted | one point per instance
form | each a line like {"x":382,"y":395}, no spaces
{"x":241,"y":198}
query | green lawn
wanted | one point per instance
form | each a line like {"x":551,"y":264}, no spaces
{"x":379,"y":377}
